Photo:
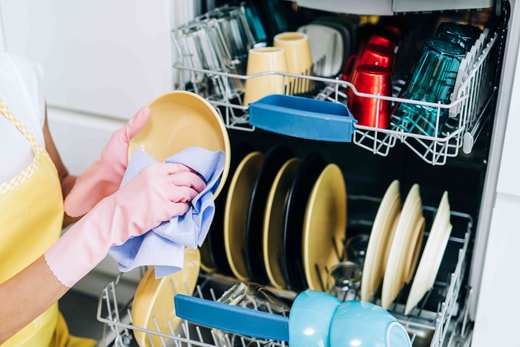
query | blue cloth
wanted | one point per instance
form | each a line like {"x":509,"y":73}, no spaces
{"x":163,"y":246}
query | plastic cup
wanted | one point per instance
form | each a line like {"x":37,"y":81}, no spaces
{"x":299,"y":58}
{"x":310,"y":317}
{"x":266,"y":59}
{"x":357,"y":323}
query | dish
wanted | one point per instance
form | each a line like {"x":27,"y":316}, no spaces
{"x":235,"y":213}
{"x":383,"y":230}
{"x":215,"y":237}
{"x":274,"y":223}
{"x":274,"y":160}
{"x":326,"y":48}
{"x":206,"y":258}
{"x":405,"y":247}
{"x":432,"y":255}
{"x":174,"y":119}
{"x":324,"y":227}
{"x":309,"y":171}
{"x":153,"y":307}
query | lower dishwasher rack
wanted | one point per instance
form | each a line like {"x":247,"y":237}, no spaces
{"x":434,"y":322}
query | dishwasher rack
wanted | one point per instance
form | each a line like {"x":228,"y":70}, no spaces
{"x":439,"y":317}
{"x":471,"y":101}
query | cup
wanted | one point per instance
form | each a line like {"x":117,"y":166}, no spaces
{"x":299,"y":59}
{"x":386,"y":38}
{"x":235,"y":32}
{"x":371,"y":54}
{"x":433,"y":81}
{"x":202,"y":47}
{"x":310,"y":318}
{"x":265,"y":59}
{"x":464,"y":35}
{"x":368,"y":110}
{"x":357,"y":323}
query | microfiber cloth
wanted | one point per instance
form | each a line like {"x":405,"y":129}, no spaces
{"x":163,"y":246}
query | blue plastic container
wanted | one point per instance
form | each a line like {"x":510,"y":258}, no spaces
{"x":303,"y":117}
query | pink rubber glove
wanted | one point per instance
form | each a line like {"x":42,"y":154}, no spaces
{"x":104,"y":176}
{"x":156,"y":194}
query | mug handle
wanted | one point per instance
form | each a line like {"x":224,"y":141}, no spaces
{"x":349,"y":67}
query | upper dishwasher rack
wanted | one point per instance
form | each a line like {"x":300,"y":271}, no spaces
{"x":471,"y":100}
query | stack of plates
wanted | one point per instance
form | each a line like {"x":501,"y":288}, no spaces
{"x":285,"y":219}
{"x":432,"y":255}
{"x":395,"y":245}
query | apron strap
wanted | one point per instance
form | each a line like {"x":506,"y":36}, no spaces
{"x":37,"y":147}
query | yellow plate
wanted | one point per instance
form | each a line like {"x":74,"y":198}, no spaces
{"x":405,"y":248}
{"x":324,"y":227}
{"x":274,"y":222}
{"x":153,"y":300}
{"x":381,"y":236}
{"x":432,"y":255}
{"x":236,"y":212}
{"x":206,"y":259}
{"x":178,"y":120}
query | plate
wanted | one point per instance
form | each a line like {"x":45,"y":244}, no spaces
{"x":324,"y":229}
{"x":309,"y":171}
{"x":153,"y":307}
{"x":235,"y":213}
{"x":383,"y":230}
{"x":206,"y":258}
{"x":432,"y":255}
{"x":326,"y":47}
{"x":274,"y":222}
{"x":405,"y":247}
{"x":178,"y":120}
{"x":215,"y":236}
{"x":274,"y":160}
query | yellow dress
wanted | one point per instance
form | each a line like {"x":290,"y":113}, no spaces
{"x":30,"y":222}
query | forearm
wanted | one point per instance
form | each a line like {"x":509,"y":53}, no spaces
{"x":26,"y":295}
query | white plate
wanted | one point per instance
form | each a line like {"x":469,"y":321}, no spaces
{"x":405,"y":248}
{"x":380,"y":240}
{"x":432,"y":255}
{"x":326,"y":48}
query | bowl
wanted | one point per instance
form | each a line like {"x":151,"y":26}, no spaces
{"x":358,"y":323}
{"x":310,"y":317}
{"x":178,"y":120}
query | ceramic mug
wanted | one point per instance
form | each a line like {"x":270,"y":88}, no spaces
{"x":371,"y":111}
{"x":299,"y":59}
{"x":264,"y":60}
{"x":372,"y":54}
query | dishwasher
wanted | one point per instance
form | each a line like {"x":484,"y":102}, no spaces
{"x":308,"y":123}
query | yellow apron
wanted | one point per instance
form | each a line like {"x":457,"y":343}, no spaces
{"x":30,"y":222}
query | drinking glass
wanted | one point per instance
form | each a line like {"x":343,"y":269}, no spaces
{"x":432,"y":81}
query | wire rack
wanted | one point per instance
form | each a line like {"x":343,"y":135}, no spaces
{"x":439,"y":316}
{"x":468,"y":109}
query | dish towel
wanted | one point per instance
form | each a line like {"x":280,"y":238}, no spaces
{"x":163,"y":246}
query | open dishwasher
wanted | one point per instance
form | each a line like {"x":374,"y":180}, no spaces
{"x":369,"y":160}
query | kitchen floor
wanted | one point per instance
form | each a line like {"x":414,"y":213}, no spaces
{"x":80,"y":311}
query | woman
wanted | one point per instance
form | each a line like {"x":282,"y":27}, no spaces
{"x":38,"y":267}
